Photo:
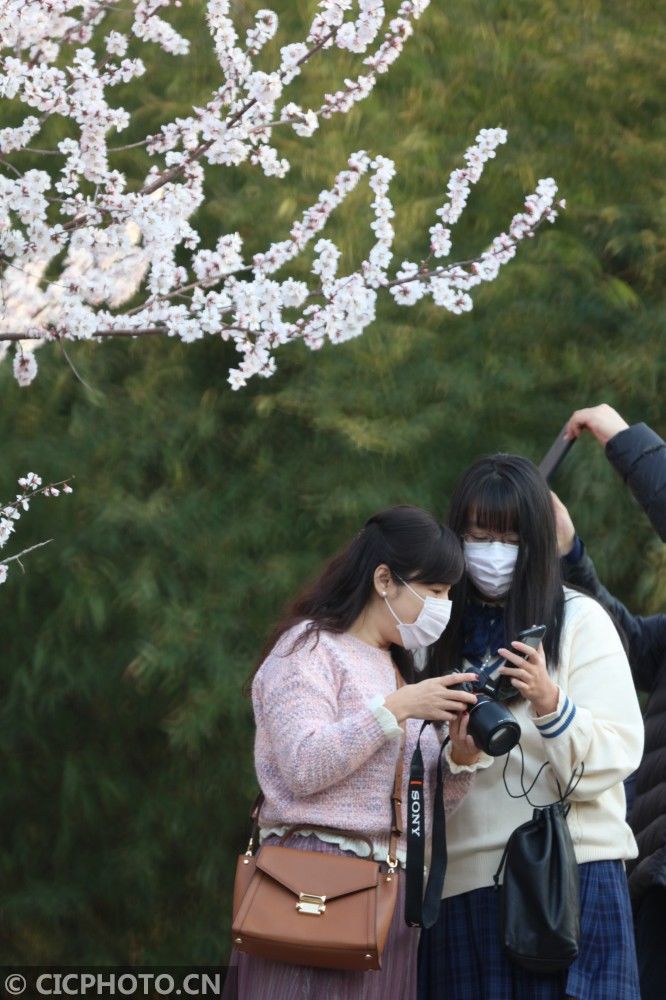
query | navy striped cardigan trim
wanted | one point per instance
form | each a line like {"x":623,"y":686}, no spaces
{"x":549,"y":730}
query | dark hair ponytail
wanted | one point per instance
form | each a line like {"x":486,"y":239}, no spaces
{"x":408,"y":540}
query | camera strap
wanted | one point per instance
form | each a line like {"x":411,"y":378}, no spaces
{"x":422,"y":910}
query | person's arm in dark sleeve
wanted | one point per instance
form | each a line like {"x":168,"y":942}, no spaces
{"x":579,"y":570}
{"x":646,"y":636}
{"x":650,"y":650}
{"x":639,"y":455}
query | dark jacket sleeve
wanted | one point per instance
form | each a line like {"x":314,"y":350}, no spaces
{"x":639,"y":455}
{"x":646,"y":635}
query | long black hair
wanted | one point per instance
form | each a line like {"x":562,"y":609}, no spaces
{"x":507,"y":493}
{"x":408,"y":540}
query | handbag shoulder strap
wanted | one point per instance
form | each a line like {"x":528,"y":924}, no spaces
{"x":254,"y":816}
{"x":396,"y":794}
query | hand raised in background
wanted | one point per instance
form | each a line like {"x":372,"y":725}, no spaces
{"x":564,"y":526}
{"x":602,"y":421}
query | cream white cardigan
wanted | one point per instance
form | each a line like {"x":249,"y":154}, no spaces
{"x":597,"y":721}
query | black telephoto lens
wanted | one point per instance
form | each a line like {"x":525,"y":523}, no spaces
{"x":492,"y":726}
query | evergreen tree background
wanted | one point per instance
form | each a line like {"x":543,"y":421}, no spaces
{"x":126,"y":742}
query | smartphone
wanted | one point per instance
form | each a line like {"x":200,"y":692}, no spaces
{"x":531,"y":637}
{"x":555,"y":455}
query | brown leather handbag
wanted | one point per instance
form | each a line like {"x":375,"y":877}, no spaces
{"x":312,"y":908}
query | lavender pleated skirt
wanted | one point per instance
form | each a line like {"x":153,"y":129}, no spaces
{"x":253,"y":978}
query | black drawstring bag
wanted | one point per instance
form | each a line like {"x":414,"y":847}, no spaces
{"x":540,"y":905}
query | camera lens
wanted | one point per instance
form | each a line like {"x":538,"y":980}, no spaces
{"x":503,"y":739}
{"x":492,"y":726}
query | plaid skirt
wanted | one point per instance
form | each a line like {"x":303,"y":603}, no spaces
{"x":461,"y":956}
{"x":251,"y":978}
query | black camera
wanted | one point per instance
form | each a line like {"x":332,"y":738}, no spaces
{"x":491,"y":724}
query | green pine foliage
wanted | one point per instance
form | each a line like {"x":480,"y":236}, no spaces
{"x":198,"y":512}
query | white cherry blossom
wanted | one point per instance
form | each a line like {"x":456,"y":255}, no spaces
{"x":11,"y":512}
{"x":80,"y":240}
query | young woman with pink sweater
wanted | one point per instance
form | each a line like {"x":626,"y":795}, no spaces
{"x":328,"y":714}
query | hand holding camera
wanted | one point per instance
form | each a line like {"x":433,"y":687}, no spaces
{"x":464,"y":750}
{"x":491,"y":724}
{"x":436,"y":699}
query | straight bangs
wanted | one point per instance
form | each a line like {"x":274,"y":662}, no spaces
{"x":506,"y":493}
{"x":441,"y":561}
{"x":495,"y":505}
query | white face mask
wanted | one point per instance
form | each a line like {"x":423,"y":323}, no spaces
{"x":430,"y":623}
{"x":490,"y":566}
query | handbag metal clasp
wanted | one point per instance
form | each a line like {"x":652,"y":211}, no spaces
{"x":307,"y":903}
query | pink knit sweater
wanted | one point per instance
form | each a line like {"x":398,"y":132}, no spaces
{"x":324,"y":753}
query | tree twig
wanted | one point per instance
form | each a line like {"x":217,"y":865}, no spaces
{"x":17,"y":557}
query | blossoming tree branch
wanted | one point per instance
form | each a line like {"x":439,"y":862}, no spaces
{"x":88,"y":252}
{"x":31,"y":486}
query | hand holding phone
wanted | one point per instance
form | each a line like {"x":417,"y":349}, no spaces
{"x":532,"y":680}
{"x":555,"y":455}
{"x":531,"y":637}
